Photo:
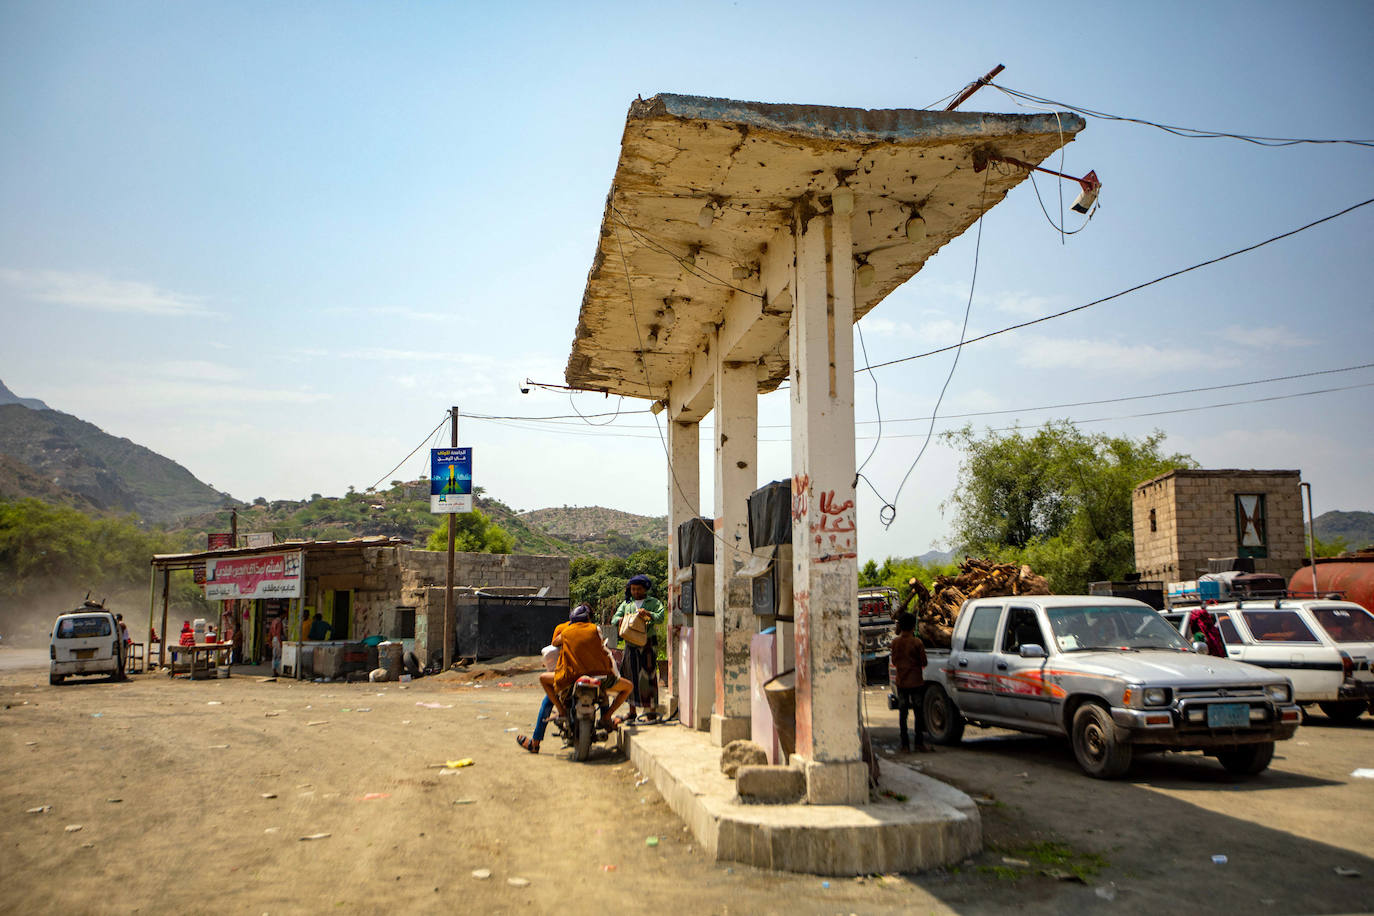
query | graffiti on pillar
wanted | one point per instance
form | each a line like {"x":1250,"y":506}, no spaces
{"x":801,"y":497}
{"x":833,"y":530}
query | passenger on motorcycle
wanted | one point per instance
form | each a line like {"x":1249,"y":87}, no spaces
{"x":581,"y":652}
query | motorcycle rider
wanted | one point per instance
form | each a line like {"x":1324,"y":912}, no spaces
{"x":581,"y":652}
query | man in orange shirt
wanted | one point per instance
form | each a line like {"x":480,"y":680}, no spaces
{"x":581,"y":652}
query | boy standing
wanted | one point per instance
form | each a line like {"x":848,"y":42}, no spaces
{"x":908,"y":662}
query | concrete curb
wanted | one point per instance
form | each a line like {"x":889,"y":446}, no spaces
{"x":937,"y":825}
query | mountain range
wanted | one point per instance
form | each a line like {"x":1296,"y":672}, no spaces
{"x":58,"y":458}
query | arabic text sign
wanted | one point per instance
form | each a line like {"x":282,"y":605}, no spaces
{"x":269,"y":575}
{"x":450,"y":480}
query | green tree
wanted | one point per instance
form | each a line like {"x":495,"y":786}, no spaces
{"x":896,"y":572}
{"x":1058,"y":499}
{"x":474,"y":532}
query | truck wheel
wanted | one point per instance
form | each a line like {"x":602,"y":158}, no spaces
{"x":56,"y":679}
{"x":943,"y":721}
{"x":1248,"y":759}
{"x":1099,"y":752}
{"x":1343,"y":712}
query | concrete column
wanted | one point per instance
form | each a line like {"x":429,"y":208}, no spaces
{"x":684,"y":500}
{"x":824,"y":543}
{"x":736,"y":476}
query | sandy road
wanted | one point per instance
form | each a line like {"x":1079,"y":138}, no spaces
{"x":191,"y":762}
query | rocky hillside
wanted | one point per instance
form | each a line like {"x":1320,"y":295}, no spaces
{"x":1357,"y":528}
{"x":110,"y":474}
{"x":403,"y":511}
{"x":9,"y":397}
{"x":604,"y":532}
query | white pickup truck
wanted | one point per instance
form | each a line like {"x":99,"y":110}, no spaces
{"x":1324,"y":646}
{"x":1108,"y":673}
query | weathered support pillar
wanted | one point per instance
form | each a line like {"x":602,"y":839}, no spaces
{"x":736,"y":476}
{"x":684,"y":501}
{"x":824,"y":544}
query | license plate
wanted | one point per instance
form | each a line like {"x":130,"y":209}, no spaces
{"x":84,"y":653}
{"x":1228,"y":715}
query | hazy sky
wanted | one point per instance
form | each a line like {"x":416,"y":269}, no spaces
{"x":274,"y":241}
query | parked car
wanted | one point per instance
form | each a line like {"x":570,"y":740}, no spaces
{"x":85,"y":641}
{"x":878,"y":608}
{"x":1323,"y":646}
{"x":1110,"y":675}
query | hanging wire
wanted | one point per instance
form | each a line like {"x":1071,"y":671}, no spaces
{"x":412,"y":452}
{"x":888,"y":514}
{"x":1139,"y":286}
{"x":1191,"y":133}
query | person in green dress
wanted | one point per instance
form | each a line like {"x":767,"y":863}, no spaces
{"x":640,"y":663}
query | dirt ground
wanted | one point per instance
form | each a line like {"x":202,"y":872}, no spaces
{"x":195,"y":796}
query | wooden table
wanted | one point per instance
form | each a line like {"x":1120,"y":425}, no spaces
{"x":206,"y":653}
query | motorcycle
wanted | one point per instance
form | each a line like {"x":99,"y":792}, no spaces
{"x":587,"y":702}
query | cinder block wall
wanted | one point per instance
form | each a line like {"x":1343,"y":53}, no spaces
{"x":1195,"y":519}
{"x":422,"y":575}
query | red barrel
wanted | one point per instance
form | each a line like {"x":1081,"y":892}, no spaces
{"x":1353,"y":576}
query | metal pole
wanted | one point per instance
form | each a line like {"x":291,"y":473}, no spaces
{"x":1311,"y":538}
{"x":973,"y":87}
{"x":233,"y":527}
{"x":448,"y":582}
{"x":162,"y":646}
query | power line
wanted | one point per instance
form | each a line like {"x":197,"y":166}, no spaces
{"x":960,"y":416}
{"x":1155,"y":413}
{"x":1191,"y":133}
{"x":427,"y":438}
{"x":1118,"y":295}
{"x":888,"y":513}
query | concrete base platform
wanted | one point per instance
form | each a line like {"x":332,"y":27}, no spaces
{"x":937,"y":825}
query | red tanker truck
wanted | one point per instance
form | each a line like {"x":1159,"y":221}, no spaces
{"x":1352,"y":576}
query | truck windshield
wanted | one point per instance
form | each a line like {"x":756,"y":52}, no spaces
{"x":1111,"y":627}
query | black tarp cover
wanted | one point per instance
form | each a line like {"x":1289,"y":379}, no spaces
{"x":770,"y":514}
{"x":694,"y":543}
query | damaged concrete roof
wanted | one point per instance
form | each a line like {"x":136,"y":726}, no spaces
{"x":703,"y":186}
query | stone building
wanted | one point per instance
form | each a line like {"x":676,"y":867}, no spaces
{"x":1185,"y":517}
{"x":361,"y":587}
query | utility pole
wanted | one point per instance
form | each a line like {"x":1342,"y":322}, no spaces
{"x":448,"y":583}
{"x":234,"y":525}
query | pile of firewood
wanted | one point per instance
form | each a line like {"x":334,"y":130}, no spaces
{"x":937,"y":607}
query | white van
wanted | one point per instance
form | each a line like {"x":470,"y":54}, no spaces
{"x":85,"y":641}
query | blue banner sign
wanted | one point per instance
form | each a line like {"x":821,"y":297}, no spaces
{"x":450,"y":480}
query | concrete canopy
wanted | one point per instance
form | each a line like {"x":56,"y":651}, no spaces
{"x":706,"y":188}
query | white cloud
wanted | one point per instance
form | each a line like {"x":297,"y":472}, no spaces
{"x":1264,"y":338}
{"x":394,"y":311}
{"x":1023,"y":304}
{"x":198,"y":370}
{"x":102,"y":293}
{"x":1110,"y":356}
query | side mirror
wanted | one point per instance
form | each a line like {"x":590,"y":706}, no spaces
{"x":1031,"y":650}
